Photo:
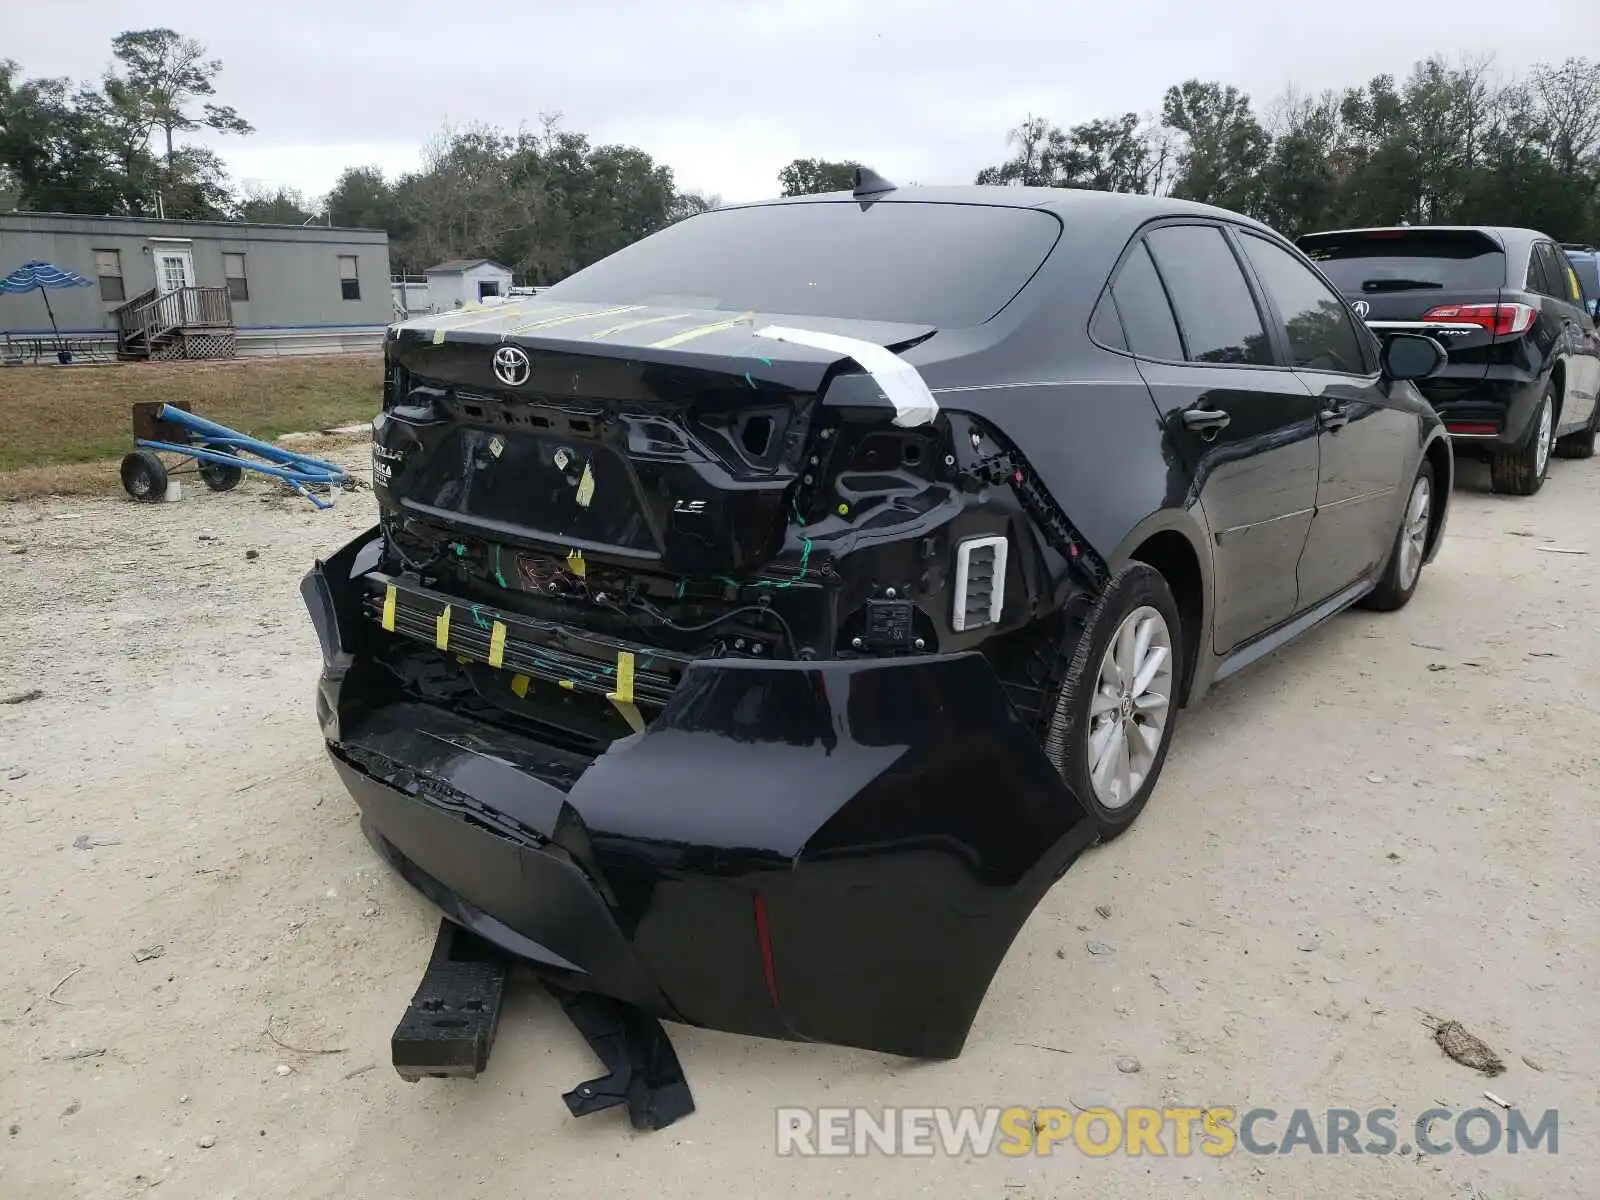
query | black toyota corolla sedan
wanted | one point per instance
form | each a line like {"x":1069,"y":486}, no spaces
{"x":761,"y":619}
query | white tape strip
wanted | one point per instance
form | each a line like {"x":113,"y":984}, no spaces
{"x":902,"y":384}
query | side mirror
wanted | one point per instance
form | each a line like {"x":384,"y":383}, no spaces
{"x":1411,"y":356}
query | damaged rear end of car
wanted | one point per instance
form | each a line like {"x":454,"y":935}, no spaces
{"x":697,"y":660}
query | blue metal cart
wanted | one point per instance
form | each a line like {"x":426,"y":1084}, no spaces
{"x":218,"y":454}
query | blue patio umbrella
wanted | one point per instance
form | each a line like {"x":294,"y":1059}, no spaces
{"x":43,"y":276}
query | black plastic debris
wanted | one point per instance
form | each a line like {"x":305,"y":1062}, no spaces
{"x":642,"y":1069}
{"x":449,"y":1028}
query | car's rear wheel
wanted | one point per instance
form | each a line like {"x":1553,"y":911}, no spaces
{"x":1114,"y":713}
{"x":1401,"y":576}
{"x":1522,"y":471}
{"x":1581,"y":444}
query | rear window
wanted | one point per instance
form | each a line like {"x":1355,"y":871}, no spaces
{"x":949,"y":265}
{"x":1405,"y":259}
{"x":1587,"y":267}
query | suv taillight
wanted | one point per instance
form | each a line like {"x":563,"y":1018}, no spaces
{"x":1499,"y":319}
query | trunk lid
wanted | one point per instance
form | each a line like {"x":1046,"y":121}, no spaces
{"x":659,"y":437}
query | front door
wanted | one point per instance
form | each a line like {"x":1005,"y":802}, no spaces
{"x":1364,"y":442}
{"x":174,"y":273}
{"x":1242,"y":428}
{"x":174,"y":270}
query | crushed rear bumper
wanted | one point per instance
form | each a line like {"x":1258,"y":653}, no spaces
{"x":833,"y":851}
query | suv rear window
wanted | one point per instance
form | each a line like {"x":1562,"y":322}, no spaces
{"x":1385,"y":260}
{"x":949,"y":265}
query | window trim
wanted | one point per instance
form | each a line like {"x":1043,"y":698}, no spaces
{"x":353,"y":278}
{"x":1369,"y":352}
{"x":119,"y":276}
{"x":1279,"y":351}
{"x":243,"y":277}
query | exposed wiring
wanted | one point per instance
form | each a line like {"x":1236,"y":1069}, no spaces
{"x":759,"y":609}
{"x":805,"y":557}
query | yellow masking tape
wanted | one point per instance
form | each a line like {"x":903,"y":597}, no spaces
{"x":607,"y":332}
{"x":622,"y":698}
{"x":497,"y":645}
{"x":519,"y":685}
{"x":567,"y":683}
{"x":624,"y":690}
{"x":389,"y":601}
{"x":575,"y":563}
{"x":441,"y":629}
{"x":688,"y":335}
{"x":547,"y":322}
{"x":438,"y":337}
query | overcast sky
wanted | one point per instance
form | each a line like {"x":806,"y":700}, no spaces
{"x":727,"y":91}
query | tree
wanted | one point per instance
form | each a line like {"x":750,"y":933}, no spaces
{"x":278,"y":206}
{"x":162,"y":74}
{"x":689,"y":204}
{"x":55,"y":155}
{"x":1118,"y":154}
{"x":809,"y":176}
{"x":1224,"y":147}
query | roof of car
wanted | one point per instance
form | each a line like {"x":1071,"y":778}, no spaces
{"x":1062,"y":201}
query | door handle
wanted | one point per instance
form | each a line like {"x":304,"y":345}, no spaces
{"x":1207,"y":420}
{"x":1333,"y":418}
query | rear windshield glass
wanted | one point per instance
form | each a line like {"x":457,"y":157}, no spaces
{"x":1587,"y":268}
{"x":949,"y":265}
{"x":1401,"y":259}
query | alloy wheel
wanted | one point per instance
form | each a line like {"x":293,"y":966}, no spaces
{"x":1414,"y":533}
{"x":1547,"y":429}
{"x":1131,"y":706}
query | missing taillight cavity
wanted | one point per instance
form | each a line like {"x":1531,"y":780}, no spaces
{"x":1502,"y":320}
{"x":756,"y":436}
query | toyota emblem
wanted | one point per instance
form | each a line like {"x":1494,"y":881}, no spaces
{"x":511,"y":366}
{"x":1361,"y":306}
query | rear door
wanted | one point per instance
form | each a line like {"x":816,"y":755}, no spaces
{"x":1365,"y":443}
{"x":1407,"y":280}
{"x":1241,"y":427}
{"x":1567,"y":328}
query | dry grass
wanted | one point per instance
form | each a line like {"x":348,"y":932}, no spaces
{"x":63,"y":428}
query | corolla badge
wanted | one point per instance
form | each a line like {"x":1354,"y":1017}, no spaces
{"x":1362,"y":308}
{"x":511,"y":366}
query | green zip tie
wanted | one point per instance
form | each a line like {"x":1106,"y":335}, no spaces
{"x":498,"y":578}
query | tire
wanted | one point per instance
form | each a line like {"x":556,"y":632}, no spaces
{"x":220,"y":477}
{"x":144,"y":476}
{"x":1522,"y":471}
{"x":1581,"y":444}
{"x":1088,"y":706}
{"x":1410,"y":547}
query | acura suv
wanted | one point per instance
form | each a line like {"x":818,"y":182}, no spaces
{"x":1507,"y":305}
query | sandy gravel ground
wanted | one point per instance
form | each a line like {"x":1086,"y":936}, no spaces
{"x":1396,"y":816}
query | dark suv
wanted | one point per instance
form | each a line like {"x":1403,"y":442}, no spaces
{"x":1524,"y":362}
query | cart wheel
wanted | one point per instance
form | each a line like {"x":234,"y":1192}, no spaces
{"x":220,"y":477}
{"x":144,"y":476}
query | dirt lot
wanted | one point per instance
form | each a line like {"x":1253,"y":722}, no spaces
{"x":1395,"y":817}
